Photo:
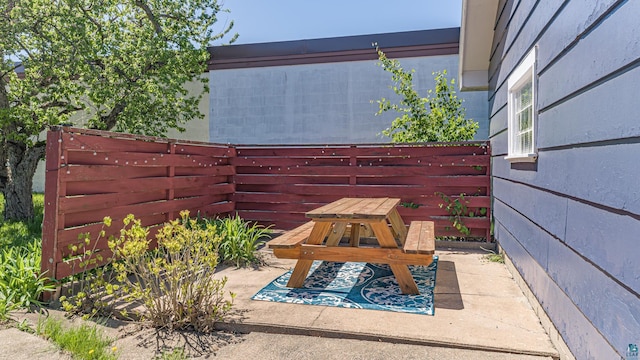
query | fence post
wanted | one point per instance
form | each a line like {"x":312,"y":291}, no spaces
{"x":171,"y":173}
{"x":489,"y":191}
{"x":232,"y":153}
{"x":353,"y":161}
{"x":52,"y":221}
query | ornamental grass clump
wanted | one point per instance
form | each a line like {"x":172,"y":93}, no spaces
{"x":240,"y":240}
{"x":174,"y":281}
{"x":21,"y":283}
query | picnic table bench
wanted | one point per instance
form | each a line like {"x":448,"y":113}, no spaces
{"x":319,"y":239}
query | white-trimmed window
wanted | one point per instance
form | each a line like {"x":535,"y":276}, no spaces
{"x":522,"y":111}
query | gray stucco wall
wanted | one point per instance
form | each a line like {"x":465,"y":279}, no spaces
{"x":570,"y":223}
{"x":319,"y":103}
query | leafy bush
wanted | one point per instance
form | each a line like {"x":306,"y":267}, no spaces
{"x":438,"y":117}
{"x":174,"y":282}
{"x":92,"y":289}
{"x":240,"y":240}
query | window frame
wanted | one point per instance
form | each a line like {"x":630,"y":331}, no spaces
{"x":524,"y":72}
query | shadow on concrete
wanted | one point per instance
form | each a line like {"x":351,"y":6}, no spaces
{"x":447,"y":291}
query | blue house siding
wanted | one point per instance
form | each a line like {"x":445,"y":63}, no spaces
{"x":570,"y":222}
{"x":587,"y":342}
{"x":587,"y":111}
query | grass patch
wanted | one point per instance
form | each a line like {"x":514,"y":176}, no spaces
{"x":22,"y":233}
{"x":83,"y":342}
{"x":176,"y":354}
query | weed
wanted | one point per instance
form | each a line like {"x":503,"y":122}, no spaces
{"x":83,"y":342}
{"x":176,"y":354}
{"x":493,"y":256}
{"x":25,"y":326}
{"x":457,"y":208}
{"x":410,"y":205}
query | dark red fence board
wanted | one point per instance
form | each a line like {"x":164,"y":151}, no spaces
{"x":92,"y":174}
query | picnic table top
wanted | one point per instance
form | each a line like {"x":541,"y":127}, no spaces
{"x":356,"y":208}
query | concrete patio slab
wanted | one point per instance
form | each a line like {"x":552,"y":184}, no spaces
{"x":480,"y":313}
{"x":477,"y":306}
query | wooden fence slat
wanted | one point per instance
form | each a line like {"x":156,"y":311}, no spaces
{"x":415,"y":160}
{"x":74,"y":172}
{"x":344,"y":170}
{"x":142,"y":185}
{"x":360,"y":150}
{"x":160,"y":207}
{"x":141,"y":159}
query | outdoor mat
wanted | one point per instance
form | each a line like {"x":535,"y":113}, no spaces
{"x":356,"y":285}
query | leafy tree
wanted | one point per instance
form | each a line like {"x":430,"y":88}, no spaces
{"x":438,"y":117}
{"x":105,"y":64}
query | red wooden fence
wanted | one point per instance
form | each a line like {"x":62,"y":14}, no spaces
{"x":277,"y":185}
{"x":93,"y":174}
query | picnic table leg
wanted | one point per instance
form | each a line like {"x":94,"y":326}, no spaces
{"x":401,"y":272}
{"x":319,"y":232}
{"x":398,"y":225}
{"x":300,"y":271}
{"x":354,"y":239}
{"x":336,"y":235}
{"x":405,"y":279}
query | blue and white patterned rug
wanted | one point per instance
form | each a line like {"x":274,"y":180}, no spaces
{"x":356,"y":285}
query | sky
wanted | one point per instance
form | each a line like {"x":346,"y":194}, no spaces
{"x":258,"y":21}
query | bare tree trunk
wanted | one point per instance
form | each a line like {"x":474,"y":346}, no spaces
{"x":3,"y":167}
{"x":4,"y":111}
{"x":21,"y":166}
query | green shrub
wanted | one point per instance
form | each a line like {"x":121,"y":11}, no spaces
{"x":91,"y":288}
{"x":241,"y":240}
{"x":438,"y":117}
{"x":20,"y":250}
{"x":21,"y":283}
{"x":174,"y":282}
{"x":83,"y":342}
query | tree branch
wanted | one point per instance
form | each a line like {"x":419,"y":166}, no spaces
{"x":4,"y":74}
{"x":110,"y":120}
{"x":150,"y":15}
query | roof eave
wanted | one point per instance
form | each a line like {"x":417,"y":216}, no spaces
{"x":476,"y":38}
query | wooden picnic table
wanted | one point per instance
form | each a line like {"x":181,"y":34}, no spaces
{"x":319,"y":239}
